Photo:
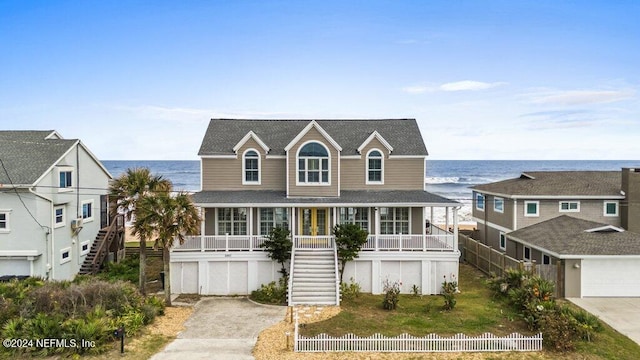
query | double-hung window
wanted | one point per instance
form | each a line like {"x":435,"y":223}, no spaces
{"x":251,"y":168}
{"x":232,"y":221}
{"x":374,"y":167}
{"x":503,"y":241}
{"x":59,"y":216}
{"x":271,"y":218}
{"x":479,"y":202}
{"x":4,"y":221}
{"x":394,"y":220}
{"x":313,"y":164}
{"x":358,"y":216}
{"x":498,"y":204}
{"x":87,"y":211}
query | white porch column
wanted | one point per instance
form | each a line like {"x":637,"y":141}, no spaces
{"x":431,"y":215}
{"x":455,"y":228}
{"x":202,"y":228}
{"x":446,"y":218}
{"x":334,"y":214}
{"x":424,"y":228}
{"x":292,"y":222}
{"x":250,"y":232}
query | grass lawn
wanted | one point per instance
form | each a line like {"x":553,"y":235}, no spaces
{"x":476,"y":312}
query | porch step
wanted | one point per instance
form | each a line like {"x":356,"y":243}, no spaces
{"x":313,"y":277}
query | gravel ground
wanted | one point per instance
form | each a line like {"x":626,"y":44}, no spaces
{"x":172,"y":322}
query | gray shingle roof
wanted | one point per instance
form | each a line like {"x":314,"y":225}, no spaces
{"x":417,"y":197}
{"x":402,"y":134}
{"x":566,"y":235}
{"x":557,"y":183}
{"x":27,"y":155}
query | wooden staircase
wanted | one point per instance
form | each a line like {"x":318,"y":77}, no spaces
{"x":101,"y":245}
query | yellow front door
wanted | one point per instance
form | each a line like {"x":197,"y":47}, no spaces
{"x":313,"y":221}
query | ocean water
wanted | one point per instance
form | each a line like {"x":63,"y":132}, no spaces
{"x":448,"y":178}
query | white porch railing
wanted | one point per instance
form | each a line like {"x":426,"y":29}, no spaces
{"x":440,"y":241}
{"x":313,"y":242}
{"x":221,"y":243}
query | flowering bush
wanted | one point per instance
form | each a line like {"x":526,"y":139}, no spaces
{"x":391,"y":294}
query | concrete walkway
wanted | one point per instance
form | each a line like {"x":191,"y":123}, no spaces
{"x":222,"y":328}
{"x":622,"y":314}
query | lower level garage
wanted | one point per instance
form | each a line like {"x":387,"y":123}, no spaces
{"x":611,"y":277}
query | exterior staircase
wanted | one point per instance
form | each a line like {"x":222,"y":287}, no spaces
{"x":313,"y":277}
{"x":100,"y":248}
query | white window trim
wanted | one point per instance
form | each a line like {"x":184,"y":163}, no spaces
{"x":537,"y":213}
{"x":604,"y":211}
{"x":89,"y":219}
{"x":244,"y":168}
{"x":64,"y":217}
{"x":85,"y":252}
{"x":68,"y":259}
{"x":495,"y":201}
{"x":298,"y":183}
{"x":62,"y":169}
{"x":500,"y":237}
{"x":7,"y":214}
{"x":568,"y":210}
{"x":548,"y":257}
{"x":367,"y":181}
{"x":484,"y":201}
{"x":524,"y":252}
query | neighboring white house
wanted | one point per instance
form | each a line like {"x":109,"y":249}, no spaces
{"x":308,"y":176}
{"x":53,"y":202}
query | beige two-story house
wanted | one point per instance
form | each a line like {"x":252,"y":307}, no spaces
{"x":307,"y":176}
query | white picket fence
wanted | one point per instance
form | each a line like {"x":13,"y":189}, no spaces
{"x":409,"y":343}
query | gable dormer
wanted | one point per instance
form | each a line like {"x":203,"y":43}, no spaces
{"x":376,"y":140}
{"x":313,"y":163}
{"x":251,"y":136}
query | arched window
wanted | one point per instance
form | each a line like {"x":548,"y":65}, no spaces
{"x":374,"y":167}
{"x":313,"y":164}
{"x":251,"y":167}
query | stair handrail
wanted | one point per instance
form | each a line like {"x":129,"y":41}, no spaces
{"x":335,"y":264}
{"x":290,"y":280}
{"x":116,"y":224}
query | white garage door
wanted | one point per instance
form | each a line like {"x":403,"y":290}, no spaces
{"x":611,"y":277}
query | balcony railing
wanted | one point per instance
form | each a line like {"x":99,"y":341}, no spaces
{"x":436,"y":240}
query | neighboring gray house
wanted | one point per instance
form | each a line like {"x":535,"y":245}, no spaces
{"x":586,"y":223}
{"x":308,"y":176}
{"x":52,"y":204}
{"x":594,"y":259}
{"x":536,"y":196}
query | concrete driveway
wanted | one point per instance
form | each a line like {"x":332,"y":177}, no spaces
{"x":222,"y":328}
{"x":622,"y":314}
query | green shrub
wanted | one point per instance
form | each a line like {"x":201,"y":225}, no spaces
{"x":391,"y":294}
{"x":415,"y":290}
{"x":132,"y":321}
{"x":587,"y":324}
{"x":449,"y":290}
{"x":272,"y":293}
{"x":351,"y":290}
{"x":559,"y":331}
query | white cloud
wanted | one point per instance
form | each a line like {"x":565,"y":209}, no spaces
{"x":581,"y":97}
{"x":469,"y":85}
{"x":465,"y":85}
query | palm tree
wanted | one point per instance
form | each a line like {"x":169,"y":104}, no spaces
{"x":169,"y":217}
{"x":126,"y":191}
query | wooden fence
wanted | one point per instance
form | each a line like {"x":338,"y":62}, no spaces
{"x":409,"y":343}
{"x":491,"y":261}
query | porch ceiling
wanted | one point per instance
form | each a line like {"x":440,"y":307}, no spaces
{"x":347,"y":197}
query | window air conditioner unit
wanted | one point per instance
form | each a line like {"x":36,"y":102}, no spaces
{"x":76,"y":223}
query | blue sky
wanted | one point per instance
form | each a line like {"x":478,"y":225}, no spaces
{"x":484,"y":79}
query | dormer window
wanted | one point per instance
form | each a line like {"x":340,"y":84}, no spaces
{"x":251,"y":170}
{"x":313,"y":164}
{"x":374,"y":167}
